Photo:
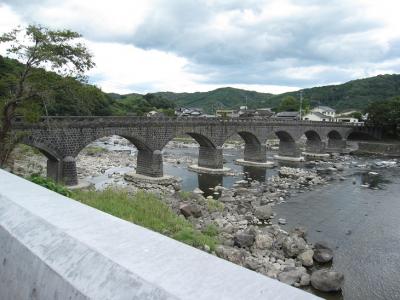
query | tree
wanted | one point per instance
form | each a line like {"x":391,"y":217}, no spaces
{"x":358,"y":115}
{"x":386,"y":114}
{"x":289,"y":103}
{"x":36,"y":46}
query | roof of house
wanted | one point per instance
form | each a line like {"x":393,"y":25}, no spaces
{"x":325,"y":108}
{"x":320,"y":115}
{"x":286,"y":114}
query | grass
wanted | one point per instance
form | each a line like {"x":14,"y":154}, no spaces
{"x":210,"y":230}
{"x":214,"y":205}
{"x":146,"y":210}
{"x":49,"y":184}
{"x":95,"y":150}
{"x":185,"y":196}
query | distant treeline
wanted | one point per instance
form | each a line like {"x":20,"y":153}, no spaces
{"x":69,"y":96}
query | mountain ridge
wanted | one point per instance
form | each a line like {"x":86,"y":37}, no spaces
{"x":354,"y":94}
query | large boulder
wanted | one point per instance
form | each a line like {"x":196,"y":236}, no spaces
{"x":322,"y":253}
{"x":243,"y":239}
{"x":189,"y":210}
{"x":290,"y":277}
{"x":327,"y":280}
{"x":306,"y":258}
{"x":234,"y":255}
{"x":264,"y":241}
{"x":293,"y":245}
{"x":305,"y":280}
{"x":252,"y":263}
{"x":263,"y":212}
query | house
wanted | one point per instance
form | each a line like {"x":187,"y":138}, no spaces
{"x":347,"y":113}
{"x":264,"y":112}
{"x":247,"y":113}
{"x":325,"y":110}
{"x":317,"y":116}
{"x":288,"y":115}
{"x":348,"y":120}
{"x":225,"y":113}
{"x":188,"y":112}
{"x":155,"y":114}
{"x":258,"y":113}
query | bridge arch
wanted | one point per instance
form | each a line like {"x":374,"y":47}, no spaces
{"x":54,"y":159}
{"x":287,"y":144}
{"x":334,"y":135}
{"x":201,"y":139}
{"x":358,"y":135}
{"x":312,"y":135}
{"x":210,"y":155}
{"x":139,"y":143}
{"x":284,"y":136}
{"x":47,"y":151}
{"x":254,"y":150}
{"x":314,"y":143}
{"x":336,"y":143}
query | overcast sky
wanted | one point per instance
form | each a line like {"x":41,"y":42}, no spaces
{"x":198,"y":45}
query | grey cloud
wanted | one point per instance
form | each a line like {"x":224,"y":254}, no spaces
{"x":332,"y":34}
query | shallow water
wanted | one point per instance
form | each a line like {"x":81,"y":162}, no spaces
{"x":362,"y":225}
{"x":190,"y":179}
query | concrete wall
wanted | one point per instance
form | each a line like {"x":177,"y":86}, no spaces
{"x":386,"y":149}
{"x":52,"y":247}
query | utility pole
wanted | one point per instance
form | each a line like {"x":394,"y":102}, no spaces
{"x":301,"y":103}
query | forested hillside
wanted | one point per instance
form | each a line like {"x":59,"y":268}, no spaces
{"x":355,"y":94}
{"x":68,"y":96}
{"x":220,"y":98}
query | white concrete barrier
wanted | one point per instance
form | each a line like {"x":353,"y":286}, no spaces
{"x":52,"y":247}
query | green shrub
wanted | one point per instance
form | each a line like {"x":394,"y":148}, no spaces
{"x":146,"y":210}
{"x":214,"y":205}
{"x":210,"y":230}
{"x":95,"y":150}
{"x":184,"y":195}
{"x":49,"y":184}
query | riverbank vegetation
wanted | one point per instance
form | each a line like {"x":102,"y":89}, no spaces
{"x":147,"y":210}
{"x":386,"y":114}
{"x":50,"y":184}
{"x":142,"y":208}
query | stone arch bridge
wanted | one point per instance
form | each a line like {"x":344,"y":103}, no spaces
{"x":61,"y":139}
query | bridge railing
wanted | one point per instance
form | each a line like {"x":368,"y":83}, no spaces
{"x":123,"y":120}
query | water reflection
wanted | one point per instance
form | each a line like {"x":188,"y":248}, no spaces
{"x":291,"y":164}
{"x":373,"y":180}
{"x":254,"y":173}
{"x":207,"y":183}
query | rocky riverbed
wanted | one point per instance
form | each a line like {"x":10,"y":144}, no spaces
{"x":249,"y":231}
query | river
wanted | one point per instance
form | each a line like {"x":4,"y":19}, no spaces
{"x":360,"y":224}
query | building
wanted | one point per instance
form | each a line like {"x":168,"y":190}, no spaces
{"x":155,"y":114}
{"x":288,"y":115}
{"x":347,"y":113}
{"x":348,"y":120}
{"x":225,"y":113}
{"x":264,"y":112}
{"x":325,"y":110}
{"x":317,"y":116}
{"x":258,"y":113}
{"x":188,"y":112}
